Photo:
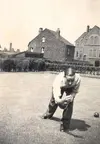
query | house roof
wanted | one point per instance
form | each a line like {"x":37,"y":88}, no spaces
{"x":61,"y":38}
{"x":28,"y":54}
{"x":82,"y":36}
{"x":19,"y":53}
{"x":54,"y":33}
{"x":85,"y":33}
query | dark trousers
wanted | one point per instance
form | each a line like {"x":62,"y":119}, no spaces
{"x":67,"y":112}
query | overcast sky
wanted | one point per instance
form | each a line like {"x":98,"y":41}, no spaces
{"x":21,"y":19}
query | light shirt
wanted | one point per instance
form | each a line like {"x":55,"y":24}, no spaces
{"x":60,"y":81}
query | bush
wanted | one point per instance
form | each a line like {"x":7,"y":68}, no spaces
{"x":31,"y":64}
{"x":8,"y":65}
{"x":36,"y":64}
{"x":1,"y":64}
{"x":39,"y":65}
{"x":25,"y":65}
{"x":19,"y":65}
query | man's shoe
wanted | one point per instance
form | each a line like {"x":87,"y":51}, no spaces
{"x":63,"y":129}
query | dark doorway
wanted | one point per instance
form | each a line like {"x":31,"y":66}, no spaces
{"x":97,"y":63}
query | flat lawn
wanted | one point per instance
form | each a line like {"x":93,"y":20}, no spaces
{"x":24,"y":97}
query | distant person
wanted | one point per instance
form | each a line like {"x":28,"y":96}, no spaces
{"x":64,"y":89}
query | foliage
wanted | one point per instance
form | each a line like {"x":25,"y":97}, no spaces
{"x":8,"y":65}
{"x":40,"y":64}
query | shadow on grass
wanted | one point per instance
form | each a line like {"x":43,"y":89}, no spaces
{"x":79,"y":125}
{"x":75,"y":124}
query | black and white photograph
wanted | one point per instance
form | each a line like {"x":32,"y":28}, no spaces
{"x":49,"y":71}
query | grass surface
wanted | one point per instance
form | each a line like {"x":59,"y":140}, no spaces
{"x":24,"y":97}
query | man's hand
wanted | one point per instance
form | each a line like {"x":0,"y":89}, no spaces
{"x":65,"y":98}
{"x":69,"y":98}
{"x":64,"y":102}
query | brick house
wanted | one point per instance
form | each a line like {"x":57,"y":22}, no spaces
{"x":53,"y":46}
{"x":87,"y":46}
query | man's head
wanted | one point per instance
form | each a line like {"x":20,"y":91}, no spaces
{"x":70,"y":76}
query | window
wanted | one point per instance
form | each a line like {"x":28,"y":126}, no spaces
{"x":92,"y":40}
{"x":32,"y":49}
{"x":43,"y":39}
{"x":42,"y":50}
{"x":96,"y":40}
{"x":90,"y":53}
{"x":99,"y":53}
{"x":77,"y":54}
{"x":84,"y":57}
{"x":94,"y":53}
{"x":80,"y":54}
{"x":77,"y":43}
{"x":68,"y":51}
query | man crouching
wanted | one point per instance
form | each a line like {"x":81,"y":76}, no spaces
{"x":64,"y":89}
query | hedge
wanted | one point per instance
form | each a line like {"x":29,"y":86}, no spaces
{"x":31,"y":64}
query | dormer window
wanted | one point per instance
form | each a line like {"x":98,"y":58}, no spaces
{"x":43,"y":39}
{"x":42,"y":50}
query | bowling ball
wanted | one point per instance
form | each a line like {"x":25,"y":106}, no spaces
{"x":96,"y":114}
{"x":63,"y":105}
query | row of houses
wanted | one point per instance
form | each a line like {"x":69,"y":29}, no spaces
{"x":57,"y":48}
{"x":52,"y":46}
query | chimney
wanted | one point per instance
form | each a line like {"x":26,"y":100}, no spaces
{"x":40,"y":30}
{"x":18,"y":50}
{"x":88,"y":28}
{"x":58,"y":33}
{"x":10,"y":47}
